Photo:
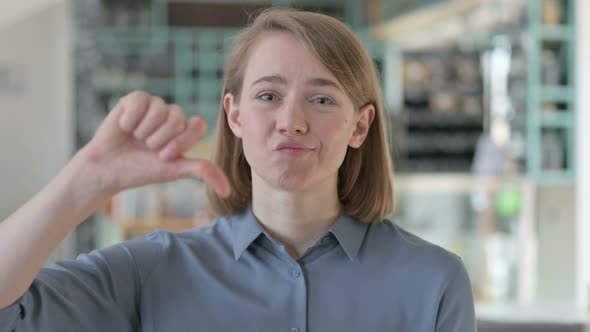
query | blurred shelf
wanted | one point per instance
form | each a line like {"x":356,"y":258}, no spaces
{"x":146,"y":42}
{"x":556,"y":177}
{"x":158,"y":86}
{"x":444,"y":23}
{"x":145,"y":226}
{"x":446,"y":144}
{"x":541,"y":31}
{"x":557,"y":94}
{"x":557,"y":119}
{"x":421,"y":18}
{"x":130,"y":41}
{"x":445,"y":182}
{"x":556,"y":33}
{"x":432,"y":142}
{"x":422,"y":119}
{"x":454,"y":87}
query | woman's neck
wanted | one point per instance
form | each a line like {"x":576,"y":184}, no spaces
{"x":295,"y":218}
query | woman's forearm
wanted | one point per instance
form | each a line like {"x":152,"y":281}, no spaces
{"x":122,"y":154}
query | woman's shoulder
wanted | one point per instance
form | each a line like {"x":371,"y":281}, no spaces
{"x":204,"y":239}
{"x":400,"y":245}
{"x":418,"y":271}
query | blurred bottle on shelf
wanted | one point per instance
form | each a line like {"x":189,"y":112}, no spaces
{"x":552,"y":12}
{"x":553,"y":153}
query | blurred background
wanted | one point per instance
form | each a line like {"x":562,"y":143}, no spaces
{"x":486,"y":99}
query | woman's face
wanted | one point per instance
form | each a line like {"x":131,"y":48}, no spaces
{"x":294,"y":118}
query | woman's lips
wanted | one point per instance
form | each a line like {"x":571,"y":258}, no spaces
{"x":293,"y":148}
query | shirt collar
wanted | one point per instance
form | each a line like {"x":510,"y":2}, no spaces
{"x":348,"y":231}
{"x":245,"y":229}
{"x":350,"y":234}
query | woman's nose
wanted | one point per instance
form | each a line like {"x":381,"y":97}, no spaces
{"x":291,"y":120}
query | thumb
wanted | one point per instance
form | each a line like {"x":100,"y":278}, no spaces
{"x":110,"y":125}
{"x":204,"y":170}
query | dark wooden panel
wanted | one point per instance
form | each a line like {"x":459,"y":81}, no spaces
{"x":211,"y":15}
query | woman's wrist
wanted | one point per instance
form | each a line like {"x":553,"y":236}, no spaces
{"x":82,"y":184}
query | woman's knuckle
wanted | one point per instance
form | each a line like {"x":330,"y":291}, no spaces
{"x":137,"y":95}
{"x":157,"y":100}
{"x":151,"y":143}
{"x":173,"y":146}
{"x":176,"y":108}
{"x":177,"y":126}
{"x":159,"y":113}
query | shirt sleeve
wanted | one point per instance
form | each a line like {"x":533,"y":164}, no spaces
{"x":98,"y":291}
{"x":456,"y":311}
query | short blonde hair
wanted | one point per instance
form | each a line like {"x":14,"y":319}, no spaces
{"x":365,"y":179}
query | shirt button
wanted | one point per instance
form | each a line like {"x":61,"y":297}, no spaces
{"x":296,"y":274}
{"x":326,"y":240}
{"x":294,"y":329}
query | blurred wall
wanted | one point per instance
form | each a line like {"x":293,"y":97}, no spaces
{"x":583,"y":153}
{"x":36,"y":131}
{"x":556,"y":236}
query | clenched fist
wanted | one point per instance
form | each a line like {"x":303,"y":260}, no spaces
{"x":142,"y":141}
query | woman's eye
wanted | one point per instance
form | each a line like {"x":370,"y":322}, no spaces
{"x":324,"y":101}
{"x":268,"y":97}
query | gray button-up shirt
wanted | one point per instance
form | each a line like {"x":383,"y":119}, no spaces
{"x":232,"y":276}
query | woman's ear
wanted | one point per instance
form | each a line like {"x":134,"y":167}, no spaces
{"x":363,"y":120}
{"x":232,"y":114}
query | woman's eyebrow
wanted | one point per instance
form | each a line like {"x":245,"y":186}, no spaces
{"x":271,"y":79}
{"x":316,"y":81}
{"x":323,"y":82}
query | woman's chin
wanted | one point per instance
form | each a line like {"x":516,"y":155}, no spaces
{"x":290,"y":183}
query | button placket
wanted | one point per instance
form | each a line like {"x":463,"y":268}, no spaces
{"x":299,"y":282}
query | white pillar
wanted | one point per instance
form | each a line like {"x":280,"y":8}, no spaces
{"x":37,"y":124}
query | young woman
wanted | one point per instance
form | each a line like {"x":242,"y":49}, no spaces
{"x":302,"y":182}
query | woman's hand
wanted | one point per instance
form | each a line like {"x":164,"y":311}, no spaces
{"x":142,"y":141}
